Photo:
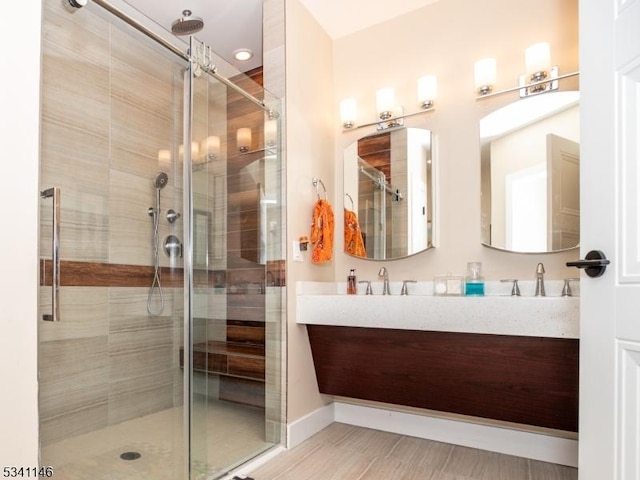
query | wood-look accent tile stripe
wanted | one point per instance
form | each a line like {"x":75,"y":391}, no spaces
{"x":98,"y":274}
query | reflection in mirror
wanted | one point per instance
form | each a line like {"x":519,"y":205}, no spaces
{"x":201,"y":246}
{"x":252,"y":211}
{"x":388,"y":194}
{"x":530,"y":172}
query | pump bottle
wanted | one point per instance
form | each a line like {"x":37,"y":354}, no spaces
{"x":351,"y":282}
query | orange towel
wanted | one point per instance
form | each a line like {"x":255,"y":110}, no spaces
{"x":322,"y":228}
{"x":353,"y":243}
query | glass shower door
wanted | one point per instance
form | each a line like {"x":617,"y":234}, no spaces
{"x":111,"y":386}
{"x":166,"y":361}
{"x":237,"y":255}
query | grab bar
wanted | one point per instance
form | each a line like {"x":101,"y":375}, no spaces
{"x":54,"y":193}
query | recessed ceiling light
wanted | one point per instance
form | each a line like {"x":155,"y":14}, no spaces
{"x":243,"y":54}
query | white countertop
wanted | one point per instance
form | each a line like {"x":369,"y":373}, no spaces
{"x":320,"y":303}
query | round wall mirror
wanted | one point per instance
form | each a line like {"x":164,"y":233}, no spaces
{"x":530,"y":174}
{"x":388,"y":194}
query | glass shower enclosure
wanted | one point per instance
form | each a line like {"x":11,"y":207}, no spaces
{"x":161,"y":327}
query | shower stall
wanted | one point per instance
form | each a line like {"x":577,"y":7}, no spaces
{"x":161,"y":334}
{"x":373,"y":209}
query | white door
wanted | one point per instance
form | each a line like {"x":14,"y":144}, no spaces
{"x":610,"y":177}
{"x":563,"y":192}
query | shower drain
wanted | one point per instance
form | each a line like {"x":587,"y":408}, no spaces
{"x":130,"y":456}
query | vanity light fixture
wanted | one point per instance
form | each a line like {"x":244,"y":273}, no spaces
{"x":389,"y":113}
{"x":164,"y":157}
{"x":539,"y":77}
{"x":348,"y":112}
{"x":485,"y":75}
{"x":243,"y":139}
{"x":195,"y":151}
{"x":537,"y":60}
{"x":427,"y":88}
{"x":212,"y":147}
{"x":385,"y":102}
{"x":270,"y":132}
{"x":209,"y":149}
{"x":244,"y":136}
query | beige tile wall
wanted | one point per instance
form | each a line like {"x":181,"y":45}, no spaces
{"x":108,"y":106}
{"x":110,"y":102}
{"x":275,"y":181}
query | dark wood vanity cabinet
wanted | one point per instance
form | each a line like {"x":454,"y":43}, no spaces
{"x":519,"y":379}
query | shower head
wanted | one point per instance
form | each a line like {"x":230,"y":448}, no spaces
{"x":161,"y":180}
{"x":187,"y":24}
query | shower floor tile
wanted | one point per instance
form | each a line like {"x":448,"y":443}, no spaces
{"x":233,"y":433}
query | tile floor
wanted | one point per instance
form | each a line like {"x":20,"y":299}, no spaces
{"x":232,"y":431}
{"x":341,"y":452}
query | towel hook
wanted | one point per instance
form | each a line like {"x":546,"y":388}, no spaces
{"x":353,"y":206}
{"x":317,"y":181}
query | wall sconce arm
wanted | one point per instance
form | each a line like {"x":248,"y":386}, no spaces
{"x":392,"y":122}
{"x":524,"y":88}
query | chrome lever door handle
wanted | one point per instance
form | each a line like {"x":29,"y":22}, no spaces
{"x":595,"y":263}
{"x":54,"y":193}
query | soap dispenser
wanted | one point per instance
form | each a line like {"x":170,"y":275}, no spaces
{"x":351,"y":282}
{"x":474,"y":281}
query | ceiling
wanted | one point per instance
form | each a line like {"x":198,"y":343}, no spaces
{"x":234,"y":24}
{"x":343,"y":17}
{"x":228,"y":24}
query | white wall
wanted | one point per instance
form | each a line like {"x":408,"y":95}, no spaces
{"x":19,"y":120}
{"x":310,"y":153}
{"x":445,"y":39}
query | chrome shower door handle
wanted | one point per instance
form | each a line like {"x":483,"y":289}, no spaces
{"x":54,"y":193}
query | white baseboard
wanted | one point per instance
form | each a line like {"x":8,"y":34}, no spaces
{"x":536,"y":446}
{"x":309,"y":425}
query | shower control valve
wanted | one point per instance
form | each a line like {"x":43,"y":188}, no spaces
{"x":172,"y":215}
{"x":77,"y":3}
{"x":172,"y":246}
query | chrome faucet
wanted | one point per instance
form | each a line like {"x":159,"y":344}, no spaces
{"x":385,"y":286}
{"x":540,"y":281}
{"x":405,"y":288}
{"x":566,"y":289}
{"x":369,"y":291}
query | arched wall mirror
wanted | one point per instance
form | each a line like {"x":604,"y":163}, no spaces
{"x":388,"y":193}
{"x":530,"y":172}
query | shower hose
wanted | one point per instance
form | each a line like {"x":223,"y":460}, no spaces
{"x":155,"y":285}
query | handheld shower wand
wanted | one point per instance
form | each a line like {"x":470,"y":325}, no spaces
{"x":159,"y":183}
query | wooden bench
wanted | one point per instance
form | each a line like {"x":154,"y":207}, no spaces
{"x":229,"y":358}
{"x":239,"y":361}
